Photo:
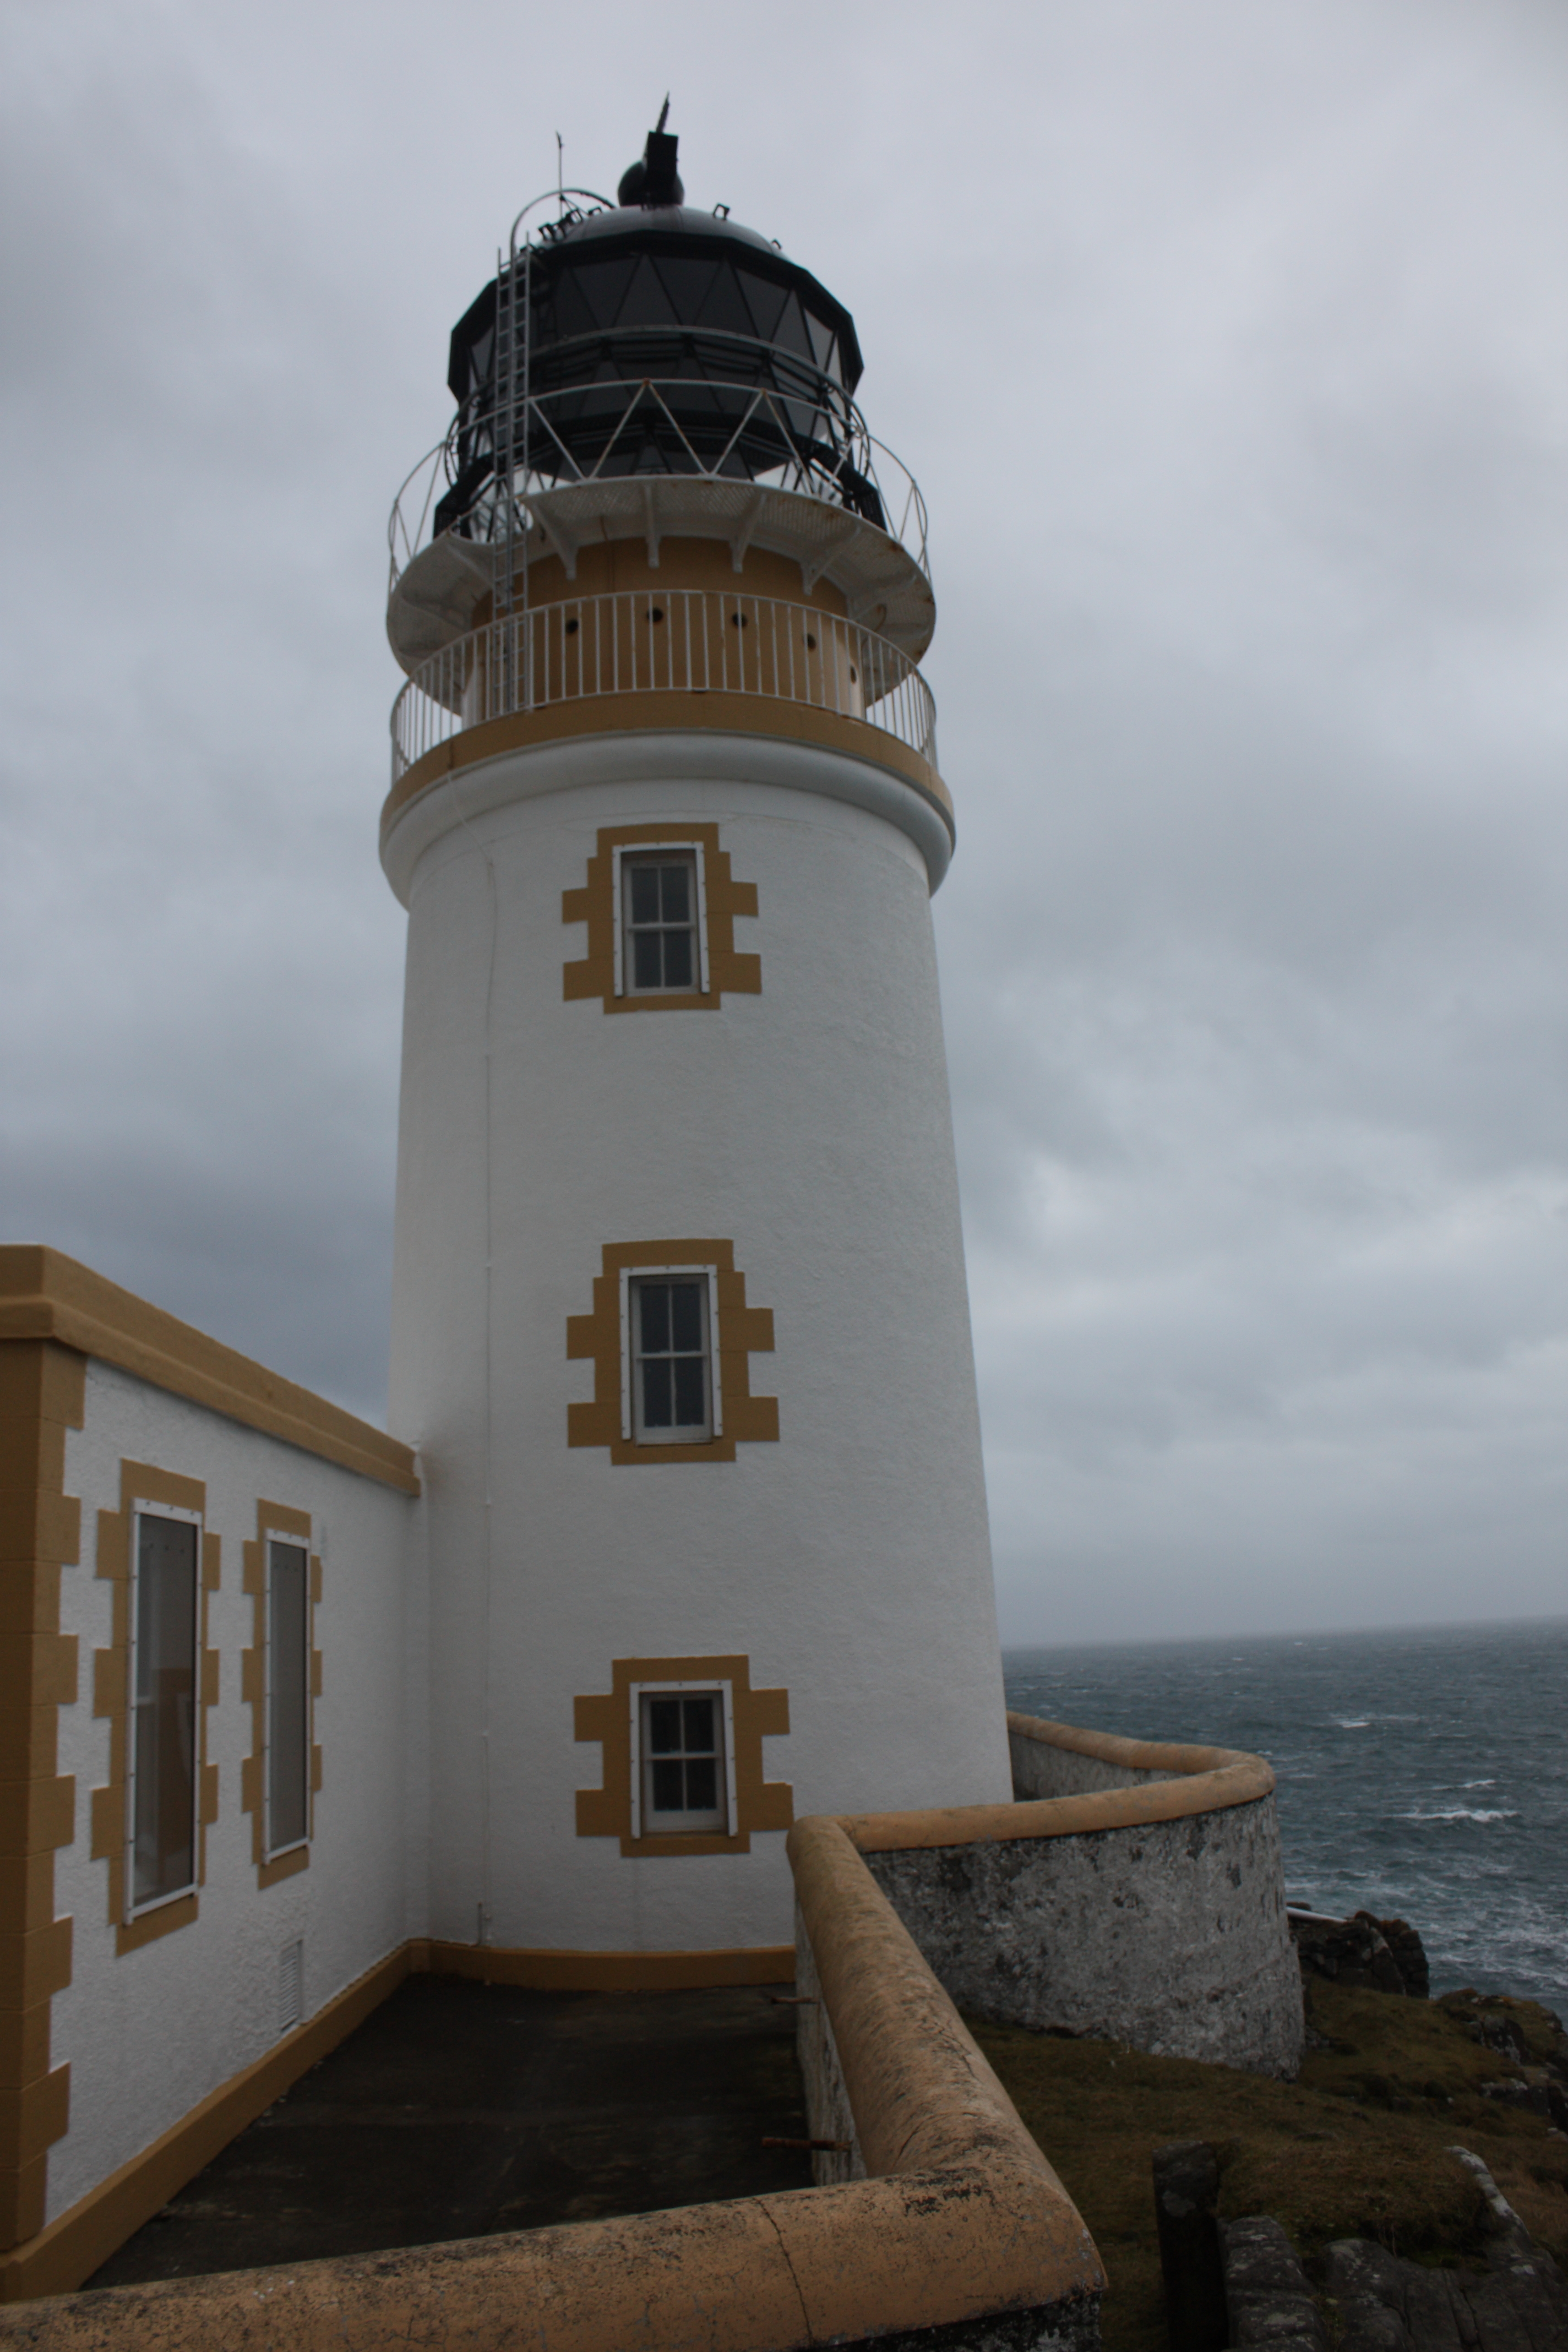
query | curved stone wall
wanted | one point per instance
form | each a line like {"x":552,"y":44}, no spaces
{"x":1143,"y":1902}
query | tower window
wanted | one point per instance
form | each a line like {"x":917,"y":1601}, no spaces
{"x":661,"y":905}
{"x":670,"y":1327}
{"x":662,"y":951}
{"x":161,"y":1799}
{"x":683,"y":1759}
{"x":682,"y":1763}
{"x":288,"y":1700}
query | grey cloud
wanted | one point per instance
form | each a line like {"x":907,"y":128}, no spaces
{"x":1230,"y":346}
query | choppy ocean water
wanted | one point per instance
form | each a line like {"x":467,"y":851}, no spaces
{"x":1423,"y":1773}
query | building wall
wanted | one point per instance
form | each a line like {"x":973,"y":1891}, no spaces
{"x":150,"y":2031}
{"x":806,"y":1125}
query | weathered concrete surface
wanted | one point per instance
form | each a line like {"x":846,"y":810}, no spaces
{"x":1170,"y":1935}
{"x":829,"y":2113}
{"x":883,"y":2049}
{"x":1043,"y":1769}
{"x":459,"y":2110}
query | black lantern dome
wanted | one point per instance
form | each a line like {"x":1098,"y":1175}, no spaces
{"x":750,"y":362}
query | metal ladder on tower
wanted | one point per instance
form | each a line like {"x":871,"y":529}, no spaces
{"x":511,"y":666}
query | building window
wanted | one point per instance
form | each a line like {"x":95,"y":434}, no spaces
{"x":287,"y":1707}
{"x":669,"y":1321}
{"x":662,"y":940}
{"x":161,"y":1799}
{"x":683,"y":1763}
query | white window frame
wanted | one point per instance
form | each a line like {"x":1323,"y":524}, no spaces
{"x":724,"y":1693}
{"x":130,"y":1907}
{"x":636,"y":850}
{"x":296,"y":1542}
{"x":630,"y":1273}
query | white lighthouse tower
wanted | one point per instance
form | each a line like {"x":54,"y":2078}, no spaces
{"x":680,"y":1329}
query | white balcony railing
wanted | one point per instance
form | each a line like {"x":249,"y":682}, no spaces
{"x":688,"y":641}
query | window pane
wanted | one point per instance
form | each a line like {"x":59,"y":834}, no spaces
{"x":671,"y":1379}
{"x":164,"y":1744}
{"x":691,"y":1401}
{"x":645,"y":970}
{"x":656,"y":1397}
{"x":675,"y":892}
{"x":664,"y":1726}
{"x":667,"y":1788}
{"x":677,"y":960}
{"x":655,"y":1296}
{"x":699,"y":1725}
{"x":686,"y":1315}
{"x":701,"y":1785}
{"x":643,"y":882}
{"x":287,"y":1720}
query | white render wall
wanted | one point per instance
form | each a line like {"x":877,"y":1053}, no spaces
{"x":149,"y":2033}
{"x":810,"y":1125}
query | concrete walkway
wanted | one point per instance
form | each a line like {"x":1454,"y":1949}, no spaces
{"x":461,"y":2109}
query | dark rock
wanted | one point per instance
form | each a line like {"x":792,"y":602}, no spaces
{"x":1364,"y":2282}
{"x":1494,"y":2031}
{"x":1186,"y":2196}
{"x":1517,"y":2303}
{"x":1266,"y":2295}
{"x":1532,"y":2088}
{"x":1409,"y":1954}
{"x":1347,"y":1951}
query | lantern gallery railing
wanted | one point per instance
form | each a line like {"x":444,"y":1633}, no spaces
{"x":688,"y":641}
{"x":691,"y":427}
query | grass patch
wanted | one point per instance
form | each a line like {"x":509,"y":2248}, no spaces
{"x":1357,"y":2148}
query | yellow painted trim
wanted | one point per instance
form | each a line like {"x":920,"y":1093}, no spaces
{"x":71,"y":2247}
{"x":546,"y":1970}
{"x":757,"y":1714}
{"x":594,"y":903}
{"x":742,"y":1331}
{"x":1210,"y":1781}
{"x":44,"y":1295}
{"x":1182,"y":1758}
{"x":662,"y":713}
{"x":42,"y":1390}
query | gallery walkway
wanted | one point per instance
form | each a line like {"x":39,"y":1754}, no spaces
{"x":461,"y":2109}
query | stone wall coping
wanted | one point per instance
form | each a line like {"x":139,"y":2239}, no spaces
{"x":1204,"y":1780}
{"x":44,"y":1295}
{"x":963,"y":2218}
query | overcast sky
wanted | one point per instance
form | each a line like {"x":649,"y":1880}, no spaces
{"x":1229,"y":341}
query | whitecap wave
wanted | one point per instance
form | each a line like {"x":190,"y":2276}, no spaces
{"x":1464,"y":1813}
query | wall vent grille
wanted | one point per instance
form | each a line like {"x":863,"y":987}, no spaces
{"x":290,"y":1986}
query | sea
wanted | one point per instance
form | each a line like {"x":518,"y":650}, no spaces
{"x":1423,"y":1773}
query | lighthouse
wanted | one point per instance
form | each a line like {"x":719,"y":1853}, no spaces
{"x":681,"y":1330}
